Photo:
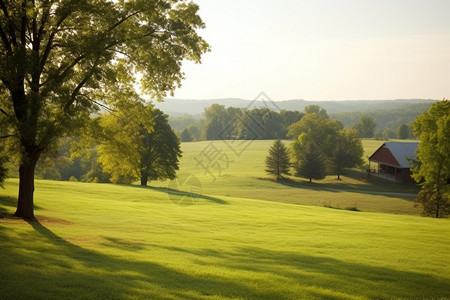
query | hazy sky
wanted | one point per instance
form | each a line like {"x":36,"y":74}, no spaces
{"x":322,"y":50}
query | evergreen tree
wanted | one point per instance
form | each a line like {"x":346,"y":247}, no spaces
{"x":277,"y":162}
{"x":186,"y":136}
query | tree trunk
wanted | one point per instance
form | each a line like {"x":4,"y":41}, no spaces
{"x":144,"y":178}
{"x":25,"y":206}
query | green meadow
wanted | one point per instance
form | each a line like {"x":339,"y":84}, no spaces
{"x":231,"y":233}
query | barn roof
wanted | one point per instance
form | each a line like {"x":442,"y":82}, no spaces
{"x":400,"y":151}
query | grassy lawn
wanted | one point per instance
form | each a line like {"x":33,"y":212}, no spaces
{"x":97,"y":241}
{"x":238,"y":171}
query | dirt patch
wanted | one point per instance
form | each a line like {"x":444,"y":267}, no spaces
{"x":40,"y":219}
{"x":50,"y":220}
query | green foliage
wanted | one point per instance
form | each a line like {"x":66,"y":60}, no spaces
{"x":137,"y":142}
{"x":433,"y":169}
{"x":347,"y":153}
{"x":389,"y":118}
{"x":320,"y":141}
{"x":3,"y":168}
{"x":315,"y":128}
{"x":432,"y":204}
{"x":403,"y":132}
{"x":255,"y":124}
{"x":310,"y":161}
{"x":59,"y":59}
{"x":366,"y":126}
{"x":388,"y":134}
{"x":186,"y":136}
{"x":278,"y":161}
{"x":195,"y":132}
{"x":316,"y":109}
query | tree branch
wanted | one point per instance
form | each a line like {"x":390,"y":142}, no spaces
{"x":1,"y":110}
{"x":5,"y":41}
{"x":6,"y":136}
{"x":10,"y":23}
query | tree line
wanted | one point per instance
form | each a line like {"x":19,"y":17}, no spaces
{"x":223,"y":123}
{"x":220,"y":122}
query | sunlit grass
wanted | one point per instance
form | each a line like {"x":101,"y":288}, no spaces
{"x":238,"y":171}
{"x":108,"y":241}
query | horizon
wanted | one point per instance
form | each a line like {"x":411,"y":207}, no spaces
{"x":305,"y":100}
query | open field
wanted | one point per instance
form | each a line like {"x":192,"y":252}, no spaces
{"x":238,"y":171}
{"x":97,"y":241}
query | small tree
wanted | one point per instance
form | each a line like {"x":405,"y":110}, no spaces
{"x":186,"y":136}
{"x":403,"y":132}
{"x":277,"y":162}
{"x":311,"y":162}
{"x":137,"y":142}
{"x":433,"y":158}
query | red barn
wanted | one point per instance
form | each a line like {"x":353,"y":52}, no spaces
{"x":392,"y":159}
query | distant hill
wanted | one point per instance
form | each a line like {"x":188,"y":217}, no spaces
{"x":177,"y":107}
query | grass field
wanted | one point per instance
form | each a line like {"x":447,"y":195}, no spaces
{"x":96,"y":241}
{"x":239,"y":236}
{"x":238,"y":171}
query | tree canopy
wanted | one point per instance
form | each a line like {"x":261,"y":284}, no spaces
{"x":137,"y":142}
{"x":433,"y":166}
{"x":366,"y":126}
{"x":60,"y":60}
{"x":347,"y":152}
{"x":310,"y":161}
{"x":320,"y":142}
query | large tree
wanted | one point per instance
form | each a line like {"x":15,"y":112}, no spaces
{"x":58,"y":59}
{"x":433,"y":159}
{"x":315,"y":137}
{"x":278,"y":161}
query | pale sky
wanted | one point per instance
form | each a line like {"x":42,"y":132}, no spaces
{"x":322,"y":50}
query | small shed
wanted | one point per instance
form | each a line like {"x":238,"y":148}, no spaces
{"x":392,"y":161}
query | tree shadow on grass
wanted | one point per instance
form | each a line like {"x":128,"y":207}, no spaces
{"x":327,"y":274}
{"x":175,"y":192}
{"x":52,"y":268}
{"x":8,"y":201}
{"x":346,"y":187}
{"x":41,"y":264}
